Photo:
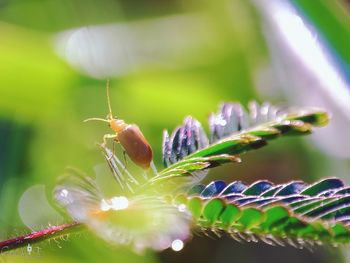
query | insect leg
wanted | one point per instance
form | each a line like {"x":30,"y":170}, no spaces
{"x":107,"y":137}
{"x":113,"y":147}
{"x":125,"y":160}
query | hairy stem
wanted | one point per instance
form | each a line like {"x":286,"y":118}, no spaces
{"x":37,"y":236}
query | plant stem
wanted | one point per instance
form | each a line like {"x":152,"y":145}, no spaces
{"x":37,"y":236}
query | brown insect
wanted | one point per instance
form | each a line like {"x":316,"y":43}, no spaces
{"x":129,"y":136}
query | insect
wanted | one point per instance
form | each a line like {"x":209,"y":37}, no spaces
{"x":129,"y":136}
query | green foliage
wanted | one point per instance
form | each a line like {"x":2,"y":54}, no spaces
{"x":294,"y":213}
{"x":262,"y":210}
{"x":275,"y":224}
{"x":289,"y":122}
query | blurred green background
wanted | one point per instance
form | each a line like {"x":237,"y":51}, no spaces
{"x":166,"y":60}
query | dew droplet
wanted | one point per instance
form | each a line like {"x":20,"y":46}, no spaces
{"x":119,"y":203}
{"x":64,"y":193}
{"x":29,"y":249}
{"x":177,"y":245}
{"x":182,"y":208}
{"x":104,"y":206}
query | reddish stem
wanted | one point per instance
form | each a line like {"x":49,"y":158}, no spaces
{"x":44,"y":234}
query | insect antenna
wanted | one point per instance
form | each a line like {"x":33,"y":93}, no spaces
{"x":96,"y":119}
{"x":110,"y":114}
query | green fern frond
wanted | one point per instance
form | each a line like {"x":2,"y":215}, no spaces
{"x":189,"y":142}
{"x":294,"y":213}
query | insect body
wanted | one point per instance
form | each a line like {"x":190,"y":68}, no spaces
{"x":129,"y":136}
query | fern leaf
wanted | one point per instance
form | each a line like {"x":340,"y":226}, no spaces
{"x":295,"y":212}
{"x":234,"y":131}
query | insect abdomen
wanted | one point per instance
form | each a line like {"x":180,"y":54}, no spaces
{"x":136,"y":145}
